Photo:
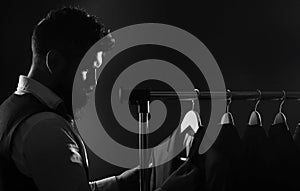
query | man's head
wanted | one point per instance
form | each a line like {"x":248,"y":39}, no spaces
{"x":59,"y":42}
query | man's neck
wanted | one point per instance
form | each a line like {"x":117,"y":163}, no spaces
{"x":41,"y":76}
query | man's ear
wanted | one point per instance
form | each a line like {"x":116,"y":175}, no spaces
{"x":55,"y":61}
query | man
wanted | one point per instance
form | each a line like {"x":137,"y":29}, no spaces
{"x":40,"y":147}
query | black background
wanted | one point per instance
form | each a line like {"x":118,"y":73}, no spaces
{"x":255,"y":42}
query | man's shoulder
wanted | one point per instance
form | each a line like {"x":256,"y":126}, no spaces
{"x":45,"y":117}
{"x":41,"y":122}
{"x":16,"y":108}
{"x":48,"y":121}
{"x":37,"y":129}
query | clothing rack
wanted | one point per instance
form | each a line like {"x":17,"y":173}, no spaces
{"x":124,"y":95}
{"x":143,"y":97}
{"x":234,"y":95}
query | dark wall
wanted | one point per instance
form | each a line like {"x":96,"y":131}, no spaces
{"x":256,"y":43}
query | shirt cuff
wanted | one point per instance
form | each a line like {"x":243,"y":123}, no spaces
{"x":107,"y":184}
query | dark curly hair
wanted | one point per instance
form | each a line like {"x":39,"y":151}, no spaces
{"x":70,"y":30}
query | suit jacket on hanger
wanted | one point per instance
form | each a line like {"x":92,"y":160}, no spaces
{"x":173,"y":144}
{"x":284,"y":159}
{"x":224,"y":164}
{"x":296,"y":136}
{"x":256,"y":152}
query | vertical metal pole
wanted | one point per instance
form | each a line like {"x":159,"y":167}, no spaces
{"x":144,"y":155}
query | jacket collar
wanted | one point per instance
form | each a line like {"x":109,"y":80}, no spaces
{"x":41,"y":92}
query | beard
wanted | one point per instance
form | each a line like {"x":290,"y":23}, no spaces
{"x":75,"y":92}
{"x":74,"y":99}
{"x":80,"y":100}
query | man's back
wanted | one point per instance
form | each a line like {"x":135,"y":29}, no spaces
{"x":13,"y":111}
{"x":40,"y":147}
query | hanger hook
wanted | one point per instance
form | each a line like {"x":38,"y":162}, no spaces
{"x":282,"y":101}
{"x":197,"y":92}
{"x":258,"y":100}
{"x":193,"y":102}
{"x":229,"y":99}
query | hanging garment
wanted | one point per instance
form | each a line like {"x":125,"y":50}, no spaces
{"x":284,"y":161}
{"x":178,"y":142}
{"x":162,"y":153}
{"x":256,"y":149}
{"x":224,"y":166}
{"x":296,"y":136}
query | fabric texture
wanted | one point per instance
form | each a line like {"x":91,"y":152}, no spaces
{"x":224,"y":162}
{"x":296,"y":136}
{"x":284,"y":159}
{"x":256,"y":155}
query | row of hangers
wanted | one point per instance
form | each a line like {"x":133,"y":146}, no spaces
{"x":192,"y":118}
{"x":255,"y":117}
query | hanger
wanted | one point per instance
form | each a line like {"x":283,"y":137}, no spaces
{"x":227,"y":118}
{"x":191,"y":118}
{"x":255,"y":118}
{"x":280,"y":117}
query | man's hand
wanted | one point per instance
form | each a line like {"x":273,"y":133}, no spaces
{"x":129,"y":180}
{"x":182,"y":179}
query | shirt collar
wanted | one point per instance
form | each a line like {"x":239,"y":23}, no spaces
{"x":44,"y":94}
